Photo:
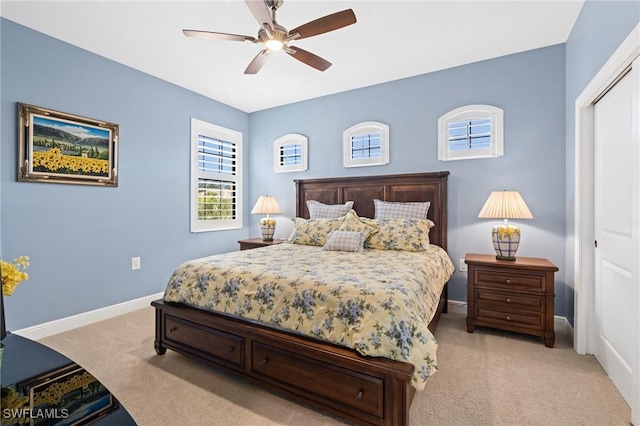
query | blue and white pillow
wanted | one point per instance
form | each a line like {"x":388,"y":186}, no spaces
{"x":400,"y":210}
{"x":351,"y":241}
{"x":318,"y":210}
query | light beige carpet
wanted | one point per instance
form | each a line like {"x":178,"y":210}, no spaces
{"x":485,"y":378}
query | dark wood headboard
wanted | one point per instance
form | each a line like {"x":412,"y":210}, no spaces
{"x":363,"y":189}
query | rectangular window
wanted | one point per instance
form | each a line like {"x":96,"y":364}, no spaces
{"x":366,"y":145}
{"x":216,"y":178}
{"x":290,"y":155}
{"x":474,"y":134}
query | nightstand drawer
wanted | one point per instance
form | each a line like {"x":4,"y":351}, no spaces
{"x":532,"y":320}
{"x":509,"y":279}
{"x":509,"y":301}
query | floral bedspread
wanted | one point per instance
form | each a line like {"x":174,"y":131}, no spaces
{"x":379,"y":302}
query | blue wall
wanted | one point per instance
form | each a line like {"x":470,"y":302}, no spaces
{"x":528,"y":86}
{"x":81,"y":238}
{"x":597,"y":33}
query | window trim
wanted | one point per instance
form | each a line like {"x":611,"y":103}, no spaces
{"x":467,"y":113}
{"x":199,"y":127}
{"x":290,"y":139}
{"x":362,"y":128}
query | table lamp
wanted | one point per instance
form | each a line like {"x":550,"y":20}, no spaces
{"x":505,"y":205}
{"x":266,"y":205}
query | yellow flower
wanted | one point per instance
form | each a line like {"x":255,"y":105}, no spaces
{"x":268,"y":221}
{"x":13,"y":273}
{"x":507,"y":231}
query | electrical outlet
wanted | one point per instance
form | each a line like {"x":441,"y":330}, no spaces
{"x":135,"y":263}
{"x":463,"y":266}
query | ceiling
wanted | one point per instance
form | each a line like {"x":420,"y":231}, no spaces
{"x":390,"y":41}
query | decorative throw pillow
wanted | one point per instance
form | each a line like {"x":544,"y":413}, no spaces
{"x":351,"y":241}
{"x":313,"y":232}
{"x":393,"y":210}
{"x":354,"y":223}
{"x":318,"y":210}
{"x":400,"y":234}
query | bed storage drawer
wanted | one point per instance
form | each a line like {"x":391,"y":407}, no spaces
{"x":215,"y":344}
{"x":356,"y":390}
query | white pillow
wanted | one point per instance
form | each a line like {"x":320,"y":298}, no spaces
{"x":400,"y":210}
{"x":318,"y":210}
{"x":352,"y":241}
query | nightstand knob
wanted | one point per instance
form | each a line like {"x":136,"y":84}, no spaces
{"x":508,"y":300}
{"x":508,"y":281}
{"x":508,"y":318}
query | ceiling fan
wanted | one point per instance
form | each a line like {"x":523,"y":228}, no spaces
{"x":275,"y":37}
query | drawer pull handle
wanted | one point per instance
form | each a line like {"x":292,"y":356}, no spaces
{"x":508,"y":300}
{"x":508,"y":281}
{"x":508,"y":318}
{"x":264,"y":361}
{"x":229,"y":350}
{"x":359,"y":395}
{"x":172,"y":329}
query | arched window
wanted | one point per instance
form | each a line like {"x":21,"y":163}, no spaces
{"x":366,"y":144}
{"x":290,"y":153}
{"x":472,"y":131}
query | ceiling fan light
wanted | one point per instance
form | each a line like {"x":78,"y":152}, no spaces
{"x":274,"y":45}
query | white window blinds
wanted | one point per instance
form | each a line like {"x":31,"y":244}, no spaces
{"x":216,"y":178}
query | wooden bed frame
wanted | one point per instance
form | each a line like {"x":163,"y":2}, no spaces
{"x":334,"y":379}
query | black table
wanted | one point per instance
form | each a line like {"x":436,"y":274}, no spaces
{"x":60,"y":392}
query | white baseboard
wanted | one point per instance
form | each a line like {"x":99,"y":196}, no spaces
{"x":560,"y":324}
{"x":457,"y":307}
{"x":41,"y":331}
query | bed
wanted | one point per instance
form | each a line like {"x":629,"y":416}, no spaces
{"x":321,"y":370}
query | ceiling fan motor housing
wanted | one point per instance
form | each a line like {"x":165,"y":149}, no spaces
{"x":278,"y":32}
{"x":273,"y":4}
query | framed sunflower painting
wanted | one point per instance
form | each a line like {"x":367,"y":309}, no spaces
{"x":58,"y":147}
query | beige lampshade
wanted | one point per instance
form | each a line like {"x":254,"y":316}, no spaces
{"x":266,"y":205}
{"x":505,"y":205}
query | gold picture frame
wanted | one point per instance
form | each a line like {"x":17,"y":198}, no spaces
{"x":58,"y":147}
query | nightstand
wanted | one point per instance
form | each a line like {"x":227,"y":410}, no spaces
{"x":511,"y":295}
{"x":252,"y":243}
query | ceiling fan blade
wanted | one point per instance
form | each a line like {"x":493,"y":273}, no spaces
{"x":217,"y":36}
{"x":261,"y":12}
{"x":325,"y":24}
{"x":310,"y":59}
{"x":258,"y":62}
